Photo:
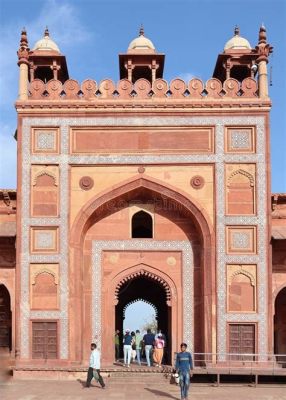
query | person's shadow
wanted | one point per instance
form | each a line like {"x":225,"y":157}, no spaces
{"x":159,"y":393}
{"x":83,"y":384}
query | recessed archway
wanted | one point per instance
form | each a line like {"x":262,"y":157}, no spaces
{"x":154,"y":290}
{"x":280,"y":325}
{"x":167,"y":199}
{"x":6,"y":319}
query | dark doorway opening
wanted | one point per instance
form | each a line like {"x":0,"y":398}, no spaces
{"x":142,"y":225}
{"x":280,"y":326}
{"x":153,"y":292}
{"x":5,"y":319}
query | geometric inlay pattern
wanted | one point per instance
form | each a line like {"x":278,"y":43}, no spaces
{"x":240,"y":240}
{"x":46,"y":140}
{"x":240,"y":140}
{"x":44,"y":240}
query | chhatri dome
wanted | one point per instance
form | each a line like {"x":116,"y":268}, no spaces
{"x":141,"y":43}
{"x":237,"y":42}
{"x":46,"y":43}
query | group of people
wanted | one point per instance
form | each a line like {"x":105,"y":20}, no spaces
{"x":183,"y":364}
{"x":134,"y":344}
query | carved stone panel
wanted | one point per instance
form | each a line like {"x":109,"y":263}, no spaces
{"x":45,"y":140}
{"x":240,"y":189}
{"x":44,"y":239}
{"x":44,"y":283}
{"x":241,"y":288}
{"x":241,"y":239}
{"x":240,"y":140}
{"x":44,"y":188}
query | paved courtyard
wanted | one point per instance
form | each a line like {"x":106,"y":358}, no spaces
{"x":123,"y":389}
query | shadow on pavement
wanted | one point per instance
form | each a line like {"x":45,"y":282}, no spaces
{"x":162,"y":394}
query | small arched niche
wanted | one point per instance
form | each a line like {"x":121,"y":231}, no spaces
{"x":142,"y":225}
{"x":241,"y":293}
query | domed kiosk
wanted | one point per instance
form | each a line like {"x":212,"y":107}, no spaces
{"x":46,"y":43}
{"x":237,"y":42}
{"x":46,"y":61}
{"x":141,"y":60}
{"x":237,"y":59}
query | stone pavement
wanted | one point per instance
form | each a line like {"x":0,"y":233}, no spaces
{"x":122,"y":389}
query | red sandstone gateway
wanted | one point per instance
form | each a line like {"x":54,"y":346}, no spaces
{"x":143,"y":189}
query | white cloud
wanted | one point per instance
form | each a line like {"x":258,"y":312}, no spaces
{"x":63,"y":23}
{"x":186,"y":76}
{"x":65,"y":28}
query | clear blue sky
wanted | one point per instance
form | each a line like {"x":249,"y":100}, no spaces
{"x":91,"y":33}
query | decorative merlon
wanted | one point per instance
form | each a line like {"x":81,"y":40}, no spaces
{"x":195,"y":89}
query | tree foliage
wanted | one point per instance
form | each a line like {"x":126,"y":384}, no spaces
{"x":150,"y":323}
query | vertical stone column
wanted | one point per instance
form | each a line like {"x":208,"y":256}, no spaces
{"x":23,"y":82}
{"x":263,"y":49}
{"x":262,"y":79}
{"x":23,"y":56}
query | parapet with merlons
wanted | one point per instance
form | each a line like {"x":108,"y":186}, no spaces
{"x":142,"y":89}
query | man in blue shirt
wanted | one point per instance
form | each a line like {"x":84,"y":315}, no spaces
{"x":148,"y":340}
{"x":184,"y":366}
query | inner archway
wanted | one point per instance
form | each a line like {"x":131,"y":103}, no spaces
{"x":140,"y":314}
{"x":5,"y":320}
{"x":280,"y":325}
{"x":152,"y":290}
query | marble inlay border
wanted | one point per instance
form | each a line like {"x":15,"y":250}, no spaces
{"x":145,"y":245}
{"x":219,"y":158}
{"x":260,"y":259}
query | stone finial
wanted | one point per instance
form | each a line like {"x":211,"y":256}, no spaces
{"x":24,"y":38}
{"x":141,"y":31}
{"x":262,"y":34}
{"x":46,"y":33}
{"x":23,"y":51}
{"x":263,"y":48}
{"x":236,"y":30}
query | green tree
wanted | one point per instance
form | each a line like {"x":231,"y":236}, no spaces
{"x":150,"y":323}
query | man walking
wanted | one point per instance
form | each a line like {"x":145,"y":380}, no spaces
{"x":184,"y":366}
{"x":148,"y":340}
{"x":94,"y":367}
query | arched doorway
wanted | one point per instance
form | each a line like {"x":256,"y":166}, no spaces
{"x":151,"y":288}
{"x":280,"y":324}
{"x":5,"y":320}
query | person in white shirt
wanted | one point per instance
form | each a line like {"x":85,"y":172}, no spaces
{"x":94,"y":367}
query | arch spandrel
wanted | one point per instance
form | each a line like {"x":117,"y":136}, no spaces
{"x":108,"y":201}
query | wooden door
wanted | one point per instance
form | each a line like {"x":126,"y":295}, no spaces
{"x":44,"y":340}
{"x":241,"y":341}
{"x":5,"y":319}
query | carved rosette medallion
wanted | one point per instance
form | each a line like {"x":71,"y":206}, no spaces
{"x":197,"y":182}
{"x":86,"y":183}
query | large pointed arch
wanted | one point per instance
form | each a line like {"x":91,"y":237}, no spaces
{"x":109,"y":201}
